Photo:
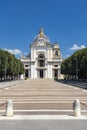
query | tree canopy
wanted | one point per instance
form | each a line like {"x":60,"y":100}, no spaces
{"x":10,"y":66}
{"x":75,"y":66}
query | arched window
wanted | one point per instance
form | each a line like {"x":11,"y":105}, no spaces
{"x":41,"y":60}
{"x":41,"y":56}
{"x":56,"y":53}
{"x":55,"y":65}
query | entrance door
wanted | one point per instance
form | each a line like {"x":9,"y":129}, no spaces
{"x":55,"y":73}
{"x":41,"y":73}
{"x":26,"y":73}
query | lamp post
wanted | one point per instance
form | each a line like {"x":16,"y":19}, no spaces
{"x":5,"y":72}
{"x":76,"y":68}
{"x":5,"y":67}
{"x":14,"y":69}
{"x":18,"y":71}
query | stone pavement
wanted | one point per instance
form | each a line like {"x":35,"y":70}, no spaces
{"x":43,"y":97}
{"x":43,"y":125}
{"x":43,"y":117}
{"x":10,"y":83}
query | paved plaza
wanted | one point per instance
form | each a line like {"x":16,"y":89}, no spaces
{"x":44,"y":125}
{"x":43,"y":97}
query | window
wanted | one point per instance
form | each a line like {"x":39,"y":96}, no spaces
{"x":41,"y":60}
{"x":56,"y":65}
{"x":56,"y":53}
{"x":26,"y":65}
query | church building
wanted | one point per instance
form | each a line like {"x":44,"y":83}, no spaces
{"x":44,"y":60}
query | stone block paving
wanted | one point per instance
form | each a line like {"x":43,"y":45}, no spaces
{"x":42,"y":97}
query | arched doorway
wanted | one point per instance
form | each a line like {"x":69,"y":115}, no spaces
{"x":41,"y":75}
{"x":41,"y":64}
{"x":55,"y":74}
{"x":41,"y":60}
{"x":26,"y":73}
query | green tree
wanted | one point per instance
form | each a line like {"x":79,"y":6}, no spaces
{"x":76,"y":65}
{"x":10,"y":66}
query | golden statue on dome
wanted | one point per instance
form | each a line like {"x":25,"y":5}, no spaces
{"x":41,"y":32}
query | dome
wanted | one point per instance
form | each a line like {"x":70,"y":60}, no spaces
{"x":41,"y":37}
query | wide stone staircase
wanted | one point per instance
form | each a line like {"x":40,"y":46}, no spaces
{"x":42,"y":96}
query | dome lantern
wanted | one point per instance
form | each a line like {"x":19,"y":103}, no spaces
{"x":41,"y":37}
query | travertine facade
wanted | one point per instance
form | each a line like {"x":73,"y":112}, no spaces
{"x":44,"y":60}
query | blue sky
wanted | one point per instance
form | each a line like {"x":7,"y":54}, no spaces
{"x":64,"y":21}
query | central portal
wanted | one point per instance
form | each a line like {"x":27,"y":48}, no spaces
{"x":41,"y":65}
{"x":41,"y":73}
{"x":55,"y":73}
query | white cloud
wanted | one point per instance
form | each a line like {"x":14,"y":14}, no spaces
{"x":26,"y":53}
{"x":66,"y":56}
{"x":15,"y":51}
{"x":76,"y":47}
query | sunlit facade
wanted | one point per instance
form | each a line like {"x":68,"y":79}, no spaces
{"x":44,"y":60}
